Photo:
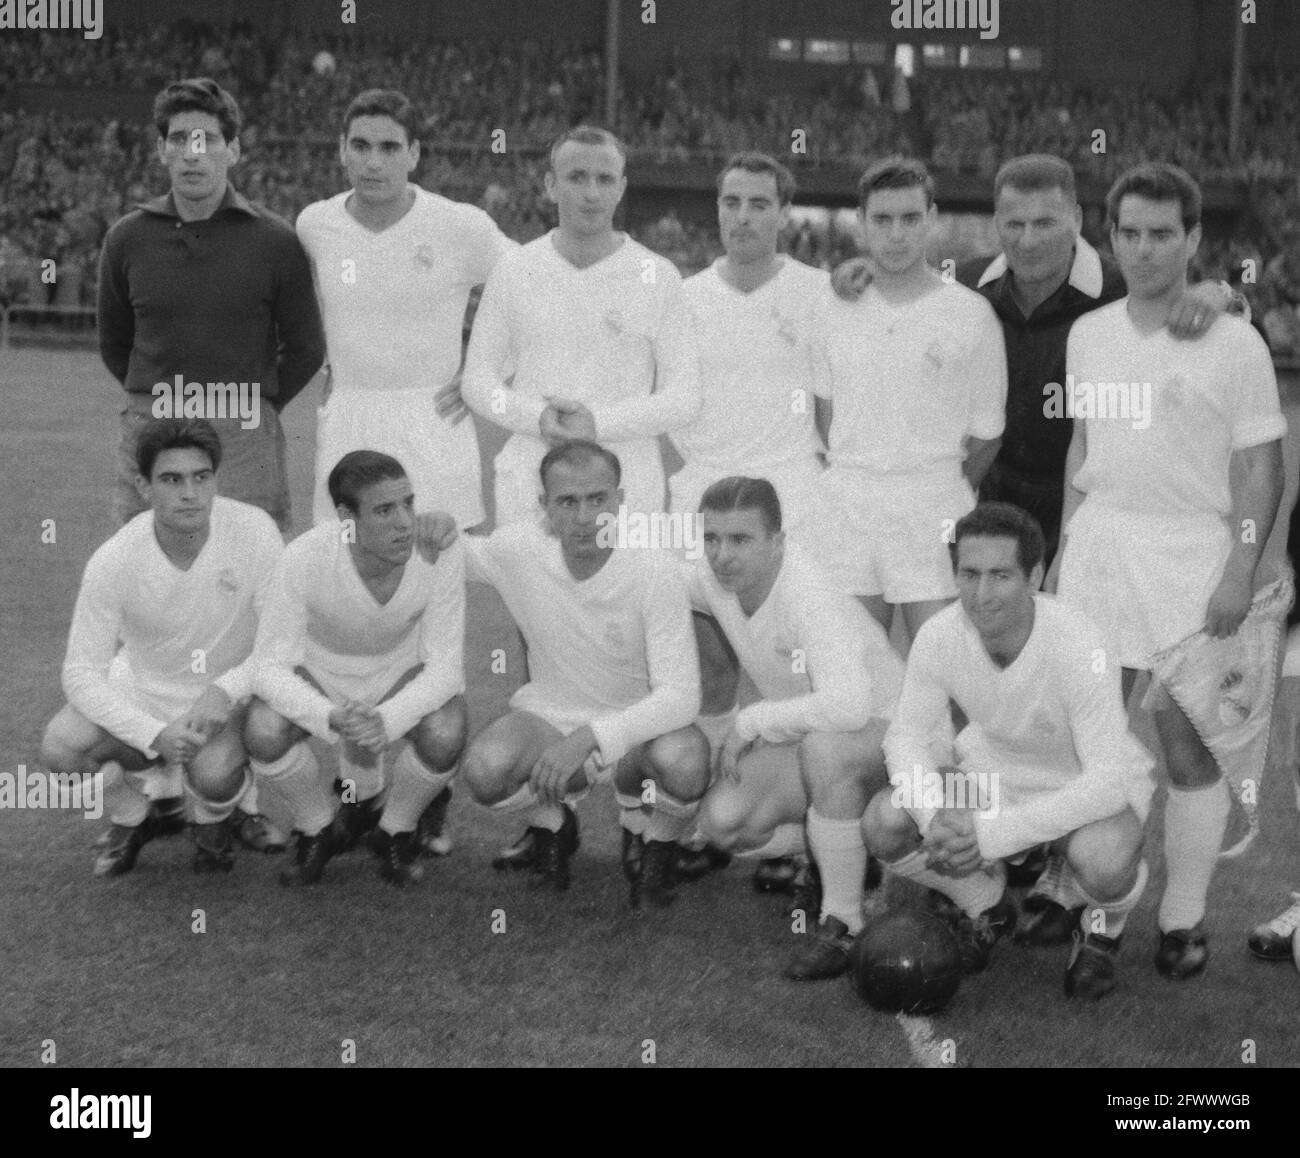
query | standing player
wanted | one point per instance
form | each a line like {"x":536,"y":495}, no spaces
{"x":394,"y":266}
{"x":595,"y":330}
{"x":1046,"y":277}
{"x":1165,"y":520}
{"x":810,"y":746}
{"x":361,"y":643}
{"x":1047,"y":755}
{"x":178,"y":588}
{"x":614,"y":687}
{"x":200,"y":285}
{"x":917,"y":377}
{"x":753,"y":312}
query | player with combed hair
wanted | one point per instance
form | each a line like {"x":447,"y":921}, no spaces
{"x":1165,"y":521}
{"x":808,"y":748}
{"x":394,"y":266}
{"x":361,"y":645}
{"x":917,"y":377}
{"x":1046,"y":758}
{"x":614,"y":681}
{"x":177,"y":590}
{"x":595,"y":331}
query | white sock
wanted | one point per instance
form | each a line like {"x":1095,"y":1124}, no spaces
{"x":123,"y":801}
{"x":297,"y":778}
{"x":524,"y":799}
{"x":630,"y":813}
{"x":1109,"y":917}
{"x":973,"y":894}
{"x":250,"y":801}
{"x":841,"y":858}
{"x":1195,"y":821}
{"x":412,"y":791}
{"x":670,"y":818}
{"x":786,"y":840}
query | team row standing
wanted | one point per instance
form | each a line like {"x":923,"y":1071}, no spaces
{"x":589,"y":341}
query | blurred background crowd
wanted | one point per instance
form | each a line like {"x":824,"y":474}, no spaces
{"x":65,"y":179}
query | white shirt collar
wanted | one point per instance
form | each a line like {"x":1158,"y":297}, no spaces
{"x":1085,"y":271}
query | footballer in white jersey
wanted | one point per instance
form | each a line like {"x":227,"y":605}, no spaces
{"x":157,"y":671}
{"x":583,"y":333}
{"x":1173,"y":481}
{"x":753,"y":311}
{"x":1046,"y":758}
{"x":614,"y":683}
{"x":394,"y":266}
{"x":808,"y":748}
{"x":917,"y":377}
{"x":361,"y":644}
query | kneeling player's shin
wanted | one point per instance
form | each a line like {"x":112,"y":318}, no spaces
{"x":973,"y":893}
{"x":297,"y":778}
{"x":1109,"y":917}
{"x":412,"y":790}
{"x":841,"y":857}
{"x":123,"y":801}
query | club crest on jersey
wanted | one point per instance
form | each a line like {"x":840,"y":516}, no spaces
{"x":424,"y":256}
{"x":615,"y":321}
{"x":614,"y":635}
{"x":785,"y":328}
{"x":227,"y":580}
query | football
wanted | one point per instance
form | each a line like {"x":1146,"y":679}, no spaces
{"x":906,"y":962}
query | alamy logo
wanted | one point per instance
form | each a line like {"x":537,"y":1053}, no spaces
{"x":1127,"y":401}
{"x":75,"y":1110}
{"x":965,"y":14}
{"x":181,"y":399}
{"x":923,"y":790}
{"x":53,"y":790}
{"x":678,"y":531}
{"x":87,"y":15}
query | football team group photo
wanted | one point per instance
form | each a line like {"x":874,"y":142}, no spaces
{"x":644,"y":536}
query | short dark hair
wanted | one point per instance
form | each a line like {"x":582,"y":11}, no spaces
{"x":357,"y":470}
{"x":383,"y":102}
{"x":737,"y":493}
{"x":1035,"y":172}
{"x":1003,"y":521}
{"x":196,"y":94}
{"x":159,"y":434}
{"x":1157,"y":181}
{"x":576,"y":452}
{"x":761,"y":163}
{"x":587,"y":135}
{"x":896,"y":173}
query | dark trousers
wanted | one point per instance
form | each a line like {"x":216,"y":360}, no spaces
{"x":1041,"y":497}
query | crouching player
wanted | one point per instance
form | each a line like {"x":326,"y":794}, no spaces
{"x":360,"y":643}
{"x":615,"y":681}
{"x":179,"y":589}
{"x":811,"y":746}
{"x":1047,"y":756}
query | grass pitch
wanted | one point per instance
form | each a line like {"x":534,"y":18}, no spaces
{"x":114,"y":973}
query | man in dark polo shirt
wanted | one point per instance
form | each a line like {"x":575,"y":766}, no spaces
{"x":1045,"y":278}
{"x":206,"y":303}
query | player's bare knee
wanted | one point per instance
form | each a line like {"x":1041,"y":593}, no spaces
{"x":439,"y":738}
{"x":267,"y":735}
{"x":722,"y":816}
{"x":888,"y":830}
{"x":679,"y":763}
{"x":1105,"y":854}
{"x":487,"y":768}
{"x":217,"y":778}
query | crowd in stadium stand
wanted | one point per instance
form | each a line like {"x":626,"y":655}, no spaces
{"x":64,"y":180}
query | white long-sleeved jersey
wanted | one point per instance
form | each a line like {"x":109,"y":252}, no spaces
{"x":179,"y":631}
{"x":320,"y":615}
{"x":615,"y":651}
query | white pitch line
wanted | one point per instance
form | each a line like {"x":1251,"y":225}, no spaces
{"x":926,"y":1052}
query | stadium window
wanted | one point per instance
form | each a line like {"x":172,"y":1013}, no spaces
{"x":783,"y":48}
{"x":939,"y":55}
{"x":1025,"y":58}
{"x":982,"y":56}
{"x":826,"y":51}
{"x":870,"y":52}
{"x":905,"y":59}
